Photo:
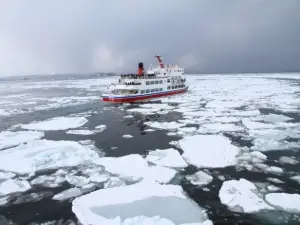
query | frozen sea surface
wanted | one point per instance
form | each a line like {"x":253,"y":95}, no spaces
{"x":226,"y":152}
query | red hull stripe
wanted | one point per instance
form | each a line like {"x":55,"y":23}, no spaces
{"x":141,"y":97}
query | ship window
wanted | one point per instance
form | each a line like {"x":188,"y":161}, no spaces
{"x":168,"y":80}
{"x":147,"y":82}
{"x":152,"y":82}
{"x":160,"y":81}
{"x":148,"y":91}
{"x":161,"y":89}
{"x":142,"y":91}
{"x":152,"y":90}
{"x":156,"y":82}
{"x":176,"y":86}
{"x":168,"y":87}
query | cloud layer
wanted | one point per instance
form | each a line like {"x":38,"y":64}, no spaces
{"x":77,"y":36}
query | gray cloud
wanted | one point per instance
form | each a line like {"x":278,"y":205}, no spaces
{"x":77,"y":36}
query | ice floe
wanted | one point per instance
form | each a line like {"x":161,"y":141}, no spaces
{"x":275,"y":180}
{"x":219,"y":127}
{"x":165,"y":125}
{"x":57,"y":123}
{"x":242,"y":196}
{"x":100,"y":128}
{"x":141,"y":203}
{"x":133,"y":172}
{"x":14,"y":185}
{"x":272,"y":118}
{"x":284,"y":201}
{"x":149,"y":109}
{"x":70,"y":193}
{"x":114,"y":182}
{"x":77,"y":181}
{"x":44,"y":154}
{"x":99,"y":178}
{"x":10,"y":139}
{"x":167,"y":157}
{"x":199,"y":178}
{"x":127,"y":136}
{"x":288,"y":160}
{"x":81,"y":132}
{"x":209,"y":151}
{"x":50,"y":181}
{"x":6,"y":175}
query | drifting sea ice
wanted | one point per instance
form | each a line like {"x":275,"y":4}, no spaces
{"x":200,"y":178}
{"x":141,"y":203}
{"x":133,"y":172}
{"x":10,"y":139}
{"x":44,"y":154}
{"x":127,"y":136}
{"x":165,"y":125}
{"x":167,"y":158}
{"x":242,"y":196}
{"x":284,"y":201}
{"x":219,"y":127}
{"x":209,"y":151}
{"x":14,"y":185}
{"x":57,"y":123}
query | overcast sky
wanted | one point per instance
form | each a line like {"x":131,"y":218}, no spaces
{"x":204,"y":36}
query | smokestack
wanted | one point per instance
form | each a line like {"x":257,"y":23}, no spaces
{"x":141,"y":69}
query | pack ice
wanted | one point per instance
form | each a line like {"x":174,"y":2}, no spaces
{"x":39,"y":155}
{"x":212,"y":151}
{"x":141,"y":203}
{"x":57,"y":123}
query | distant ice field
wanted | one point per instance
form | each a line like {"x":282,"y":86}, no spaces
{"x":227,"y":150}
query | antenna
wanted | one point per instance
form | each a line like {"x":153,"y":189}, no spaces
{"x":161,"y":64}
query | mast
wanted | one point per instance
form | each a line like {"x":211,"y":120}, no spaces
{"x":161,"y":64}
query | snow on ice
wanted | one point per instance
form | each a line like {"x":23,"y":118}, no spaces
{"x":165,"y":125}
{"x":57,"y":123}
{"x":44,"y":154}
{"x":141,"y":203}
{"x":10,"y":139}
{"x":167,"y":157}
{"x":209,"y":151}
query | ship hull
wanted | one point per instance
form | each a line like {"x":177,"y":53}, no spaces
{"x":145,"y":97}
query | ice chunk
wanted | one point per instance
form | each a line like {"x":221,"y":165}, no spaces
{"x":14,"y":185}
{"x":114,"y":182}
{"x":186,"y":131}
{"x":99,"y":178}
{"x":225,"y":119}
{"x":209,"y":151}
{"x":200,"y":178}
{"x":149,"y":130}
{"x":296,"y":178}
{"x":288,"y":160}
{"x":167,"y":157}
{"x":219,"y":127}
{"x":273,"y":188}
{"x":257,"y":125}
{"x":128,"y":116}
{"x":6,"y":175}
{"x":51,"y":181}
{"x":127,"y":136}
{"x":284,"y":201}
{"x":272,"y":118}
{"x":100,"y":128}
{"x":274,"y":169}
{"x":165,"y":125}
{"x":57,"y":123}
{"x":275,"y":180}
{"x":242,"y":196}
{"x":80,"y":132}
{"x":10,"y":139}
{"x":138,"y":204}
{"x":70,"y":193}
{"x":44,"y":154}
{"x":77,"y":181}
{"x":133,"y":172}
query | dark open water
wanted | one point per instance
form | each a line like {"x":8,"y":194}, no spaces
{"x":113,"y":116}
